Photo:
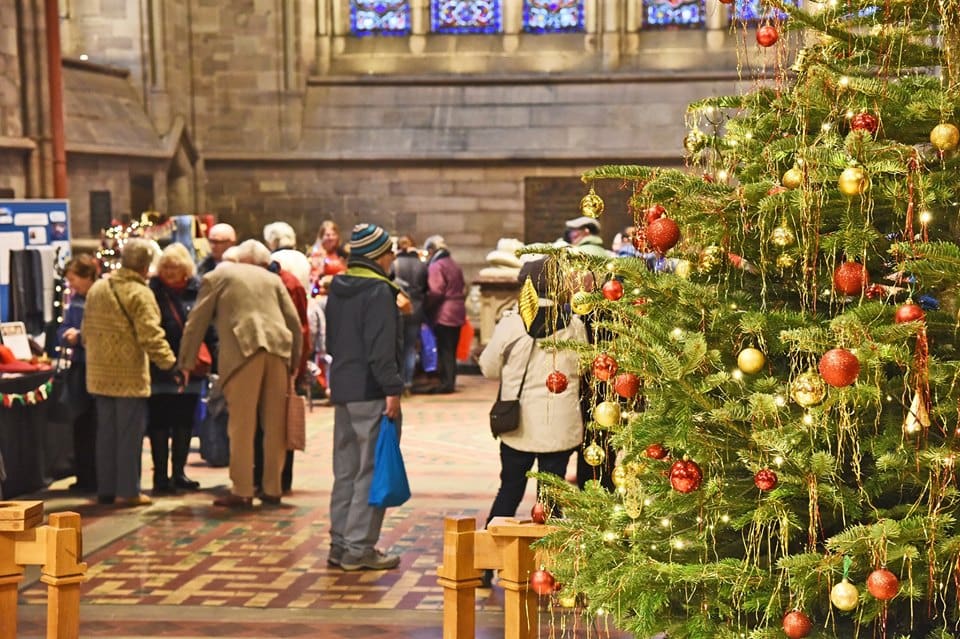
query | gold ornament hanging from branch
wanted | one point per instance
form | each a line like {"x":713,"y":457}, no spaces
{"x":592,"y":204}
{"x":529,"y":302}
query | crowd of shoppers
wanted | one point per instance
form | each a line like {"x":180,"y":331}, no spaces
{"x":270,"y":315}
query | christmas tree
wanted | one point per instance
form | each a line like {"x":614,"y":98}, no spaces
{"x":776,"y":370}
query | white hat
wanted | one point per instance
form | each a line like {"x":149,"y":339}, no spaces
{"x":584,"y":221}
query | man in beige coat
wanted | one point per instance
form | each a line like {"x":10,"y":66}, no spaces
{"x":259,"y":350}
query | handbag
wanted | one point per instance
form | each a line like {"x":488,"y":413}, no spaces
{"x":296,"y":419}
{"x":204,"y":362}
{"x":389,"y":486}
{"x":71,"y":398}
{"x":212,"y":428}
{"x":505,"y":413}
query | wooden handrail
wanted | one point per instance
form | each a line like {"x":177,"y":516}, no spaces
{"x":503,"y":546}
{"x":57,"y":548}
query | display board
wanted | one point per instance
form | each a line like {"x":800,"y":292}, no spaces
{"x":32,"y":224}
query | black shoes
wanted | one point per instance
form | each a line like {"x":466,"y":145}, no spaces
{"x":182,"y":482}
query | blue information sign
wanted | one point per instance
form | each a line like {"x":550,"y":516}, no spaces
{"x":42,"y":225}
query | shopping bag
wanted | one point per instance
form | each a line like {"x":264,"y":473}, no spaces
{"x":296,"y":419}
{"x":428,"y":349}
{"x":465,"y":343}
{"x":212,"y":428}
{"x":390,"y":486}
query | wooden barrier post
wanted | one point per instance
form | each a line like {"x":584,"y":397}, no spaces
{"x":57,"y":548}
{"x":459,"y":578}
{"x":503,"y":546}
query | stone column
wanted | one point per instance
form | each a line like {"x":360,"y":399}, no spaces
{"x":611,"y":15}
{"x":512,"y":25}
{"x":718,"y":18}
{"x":419,"y":25}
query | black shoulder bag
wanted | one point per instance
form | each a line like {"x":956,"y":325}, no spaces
{"x":505,"y":414}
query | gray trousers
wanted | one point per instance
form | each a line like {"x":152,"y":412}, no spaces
{"x":355,"y":525}
{"x":121,"y":425}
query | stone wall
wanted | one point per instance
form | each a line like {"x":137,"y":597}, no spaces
{"x":10,"y":83}
{"x":472,"y":206}
{"x":90,"y":173}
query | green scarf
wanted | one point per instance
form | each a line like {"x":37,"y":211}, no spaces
{"x":362,"y":270}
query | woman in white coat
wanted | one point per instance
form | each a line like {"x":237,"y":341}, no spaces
{"x":551,"y":427}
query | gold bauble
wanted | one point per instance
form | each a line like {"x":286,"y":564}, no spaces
{"x":808,"y":389}
{"x":682,"y":269}
{"x":593,"y":454}
{"x":945,"y":137}
{"x":693,"y":141}
{"x":751,"y":360}
{"x":786,"y":261}
{"x":782,"y":236}
{"x":632,"y":504}
{"x":853,"y":181}
{"x":793,"y":178}
{"x":567,"y":601}
{"x":592,"y":204}
{"x":619,"y":476}
{"x":845,"y":595}
{"x":710,"y":259}
{"x":581,"y":303}
{"x":607,"y":414}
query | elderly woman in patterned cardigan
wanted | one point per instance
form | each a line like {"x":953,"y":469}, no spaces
{"x":122,"y":334}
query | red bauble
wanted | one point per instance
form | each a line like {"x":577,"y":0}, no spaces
{"x":865,"y":122}
{"x":538,"y":514}
{"x":626,"y":385}
{"x":706,"y":176}
{"x":556,"y":382}
{"x":685,"y":476}
{"x":727,"y":1}
{"x":839,"y":367}
{"x":663,"y":234}
{"x":850,"y":278}
{"x":767,"y":35}
{"x":908,"y":312}
{"x":883,"y":584}
{"x":797,"y":624}
{"x":613,"y":290}
{"x":654,"y":212}
{"x":604,"y":367}
{"x":765,"y":479}
{"x":655,"y":451}
{"x":542,"y":582}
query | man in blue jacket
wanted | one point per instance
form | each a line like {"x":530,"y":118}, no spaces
{"x":365,"y":342}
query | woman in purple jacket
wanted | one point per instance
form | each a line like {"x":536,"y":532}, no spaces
{"x":445,"y":308}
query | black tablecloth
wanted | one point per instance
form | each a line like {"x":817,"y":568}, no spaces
{"x":35,"y":450}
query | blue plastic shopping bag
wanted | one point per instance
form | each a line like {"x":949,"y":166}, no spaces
{"x":390,"y":486}
{"x":428,"y":349}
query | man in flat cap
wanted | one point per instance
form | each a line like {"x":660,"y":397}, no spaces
{"x":584,"y":235}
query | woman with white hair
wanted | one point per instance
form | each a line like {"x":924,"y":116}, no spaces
{"x":281,"y":239}
{"x":121,"y":331}
{"x":170,"y":415}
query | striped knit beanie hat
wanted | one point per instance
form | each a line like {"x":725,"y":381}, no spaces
{"x":370,"y":241}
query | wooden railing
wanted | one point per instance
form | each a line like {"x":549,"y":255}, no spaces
{"x":503,"y":546}
{"x":57,"y":547}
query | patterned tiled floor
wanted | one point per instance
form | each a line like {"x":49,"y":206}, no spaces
{"x":182,"y":568}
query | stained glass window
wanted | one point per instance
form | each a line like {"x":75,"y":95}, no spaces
{"x":552,"y":16}
{"x":379,"y":17}
{"x":465,"y":16}
{"x":756,"y":11}
{"x":673,"y":13}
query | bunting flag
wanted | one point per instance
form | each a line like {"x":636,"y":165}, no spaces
{"x":39,"y":394}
